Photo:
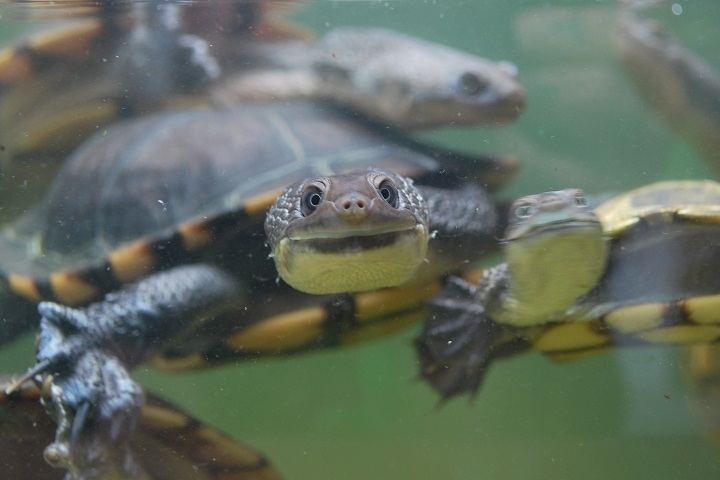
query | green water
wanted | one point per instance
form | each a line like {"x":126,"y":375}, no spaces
{"x":360,"y":414}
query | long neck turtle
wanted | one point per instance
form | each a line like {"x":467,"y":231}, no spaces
{"x":679,"y":84}
{"x":655,"y":288}
{"x":175,"y":203}
{"x":168,"y":445}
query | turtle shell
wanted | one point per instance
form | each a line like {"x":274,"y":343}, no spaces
{"x":155,"y":192}
{"x":660,"y":284}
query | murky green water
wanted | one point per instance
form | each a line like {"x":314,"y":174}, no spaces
{"x":359,"y":413}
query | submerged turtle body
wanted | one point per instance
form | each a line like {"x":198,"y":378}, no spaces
{"x":152,"y":192}
{"x":160,"y":221}
{"x":658,"y":287}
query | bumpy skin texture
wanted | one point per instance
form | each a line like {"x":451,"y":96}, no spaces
{"x":88,"y":351}
{"x":288,"y":205}
{"x":468,"y":210}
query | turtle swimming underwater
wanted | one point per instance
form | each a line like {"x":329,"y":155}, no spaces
{"x":665,"y":234}
{"x":178,"y":204}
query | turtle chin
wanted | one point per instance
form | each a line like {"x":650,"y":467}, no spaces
{"x":351,"y":264}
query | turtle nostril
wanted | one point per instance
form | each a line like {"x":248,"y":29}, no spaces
{"x":360,"y":204}
{"x":347,"y":204}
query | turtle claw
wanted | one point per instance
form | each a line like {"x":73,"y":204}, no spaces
{"x":96,"y":406}
{"x":459,"y":341}
{"x":90,"y":396}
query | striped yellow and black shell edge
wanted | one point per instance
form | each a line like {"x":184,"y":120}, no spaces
{"x":107,"y":21}
{"x":57,"y":86}
{"x":456,"y":349}
{"x":139,"y":258}
{"x":692,"y":200}
{"x":169,"y":444}
{"x":330,"y":321}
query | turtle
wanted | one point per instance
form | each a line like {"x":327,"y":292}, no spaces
{"x":687,"y":100}
{"x":650,"y":285}
{"x":161,"y":220}
{"x":677,"y":83}
{"x":394,"y":78}
{"x":198,"y":451}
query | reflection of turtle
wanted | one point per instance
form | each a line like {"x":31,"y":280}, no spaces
{"x":393,"y":78}
{"x":199,"y":452}
{"x":192,"y":188}
{"x":656,"y":286}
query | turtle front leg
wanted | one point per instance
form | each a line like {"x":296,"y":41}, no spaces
{"x":86,"y":354}
{"x":460,"y":340}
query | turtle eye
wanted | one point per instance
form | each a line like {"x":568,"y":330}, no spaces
{"x":581,"y":201}
{"x":472,"y":84}
{"x":311,"y":199}
{"x":524,"y":211}
{"x":388,"y":192}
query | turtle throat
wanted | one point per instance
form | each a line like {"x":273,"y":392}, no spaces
{"x":550,"y":269}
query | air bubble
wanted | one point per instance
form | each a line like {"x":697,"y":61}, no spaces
{"x":677,"y":9}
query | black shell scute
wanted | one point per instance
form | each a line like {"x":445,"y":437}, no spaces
{"x":145,"y":177}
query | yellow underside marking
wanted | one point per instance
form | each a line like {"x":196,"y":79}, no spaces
{"x":383,"y":327}
{"x":24,"y":286}
{"x":322,"y":273}
{"x":682,"y":334}
{"x":182,"y":363}
{"x":569,"y":336}
{"x":74,"y":41}
{"x":216,"y":445}
{"x":372,"y":305}
{"x":195,"y":235}
{"x":132,"y":262}
{"x":260,"y":203}
{"x":70,"y":290}
{"x":14,"y":67}
{"x":67,"y":124}
{"x":635,"y":318}
{"x":281,"y":332}
{"x":704,"y":310}
{"x":158,"y":417}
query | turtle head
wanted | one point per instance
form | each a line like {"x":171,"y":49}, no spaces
{"x":412,"y":83}
{"x":556,"y":252}
{"x":353,"y":232}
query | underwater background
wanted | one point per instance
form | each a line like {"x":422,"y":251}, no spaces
{"x":360,"y":412}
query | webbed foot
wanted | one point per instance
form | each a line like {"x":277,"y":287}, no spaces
{"x":459,"y":341}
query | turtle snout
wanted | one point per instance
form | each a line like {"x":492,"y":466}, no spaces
{"x":353,"y":208}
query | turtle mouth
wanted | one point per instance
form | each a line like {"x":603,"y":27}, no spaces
{"x":328,"y":235}
{"x":558,"y":227}
{"x":349,"y":241}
